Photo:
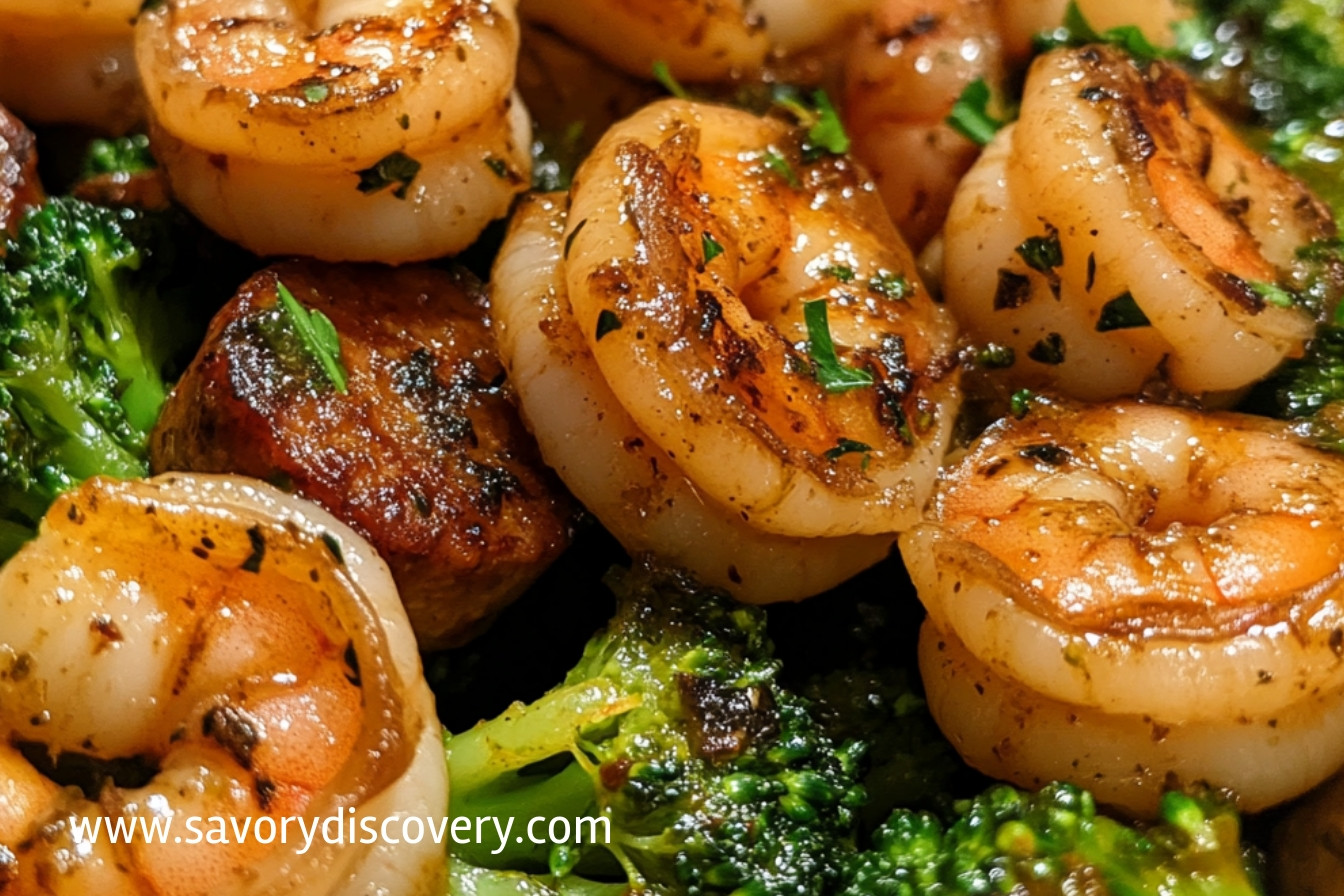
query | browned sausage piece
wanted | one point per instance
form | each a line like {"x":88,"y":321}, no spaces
{"x":424,"y":454}
{"x":20,"y":188}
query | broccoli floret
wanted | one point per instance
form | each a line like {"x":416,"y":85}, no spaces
{"x":673,"y":730}
{"x":1054,"y":842}
{"x":118,"y":156}
{"x":80,"y":360}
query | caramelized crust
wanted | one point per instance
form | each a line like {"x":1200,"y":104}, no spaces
{"x":20,"y":188}
{"x":424,"y":454}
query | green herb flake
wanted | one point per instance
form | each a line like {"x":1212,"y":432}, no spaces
{"x":1121,"y":313}
{"x":892,"y":286}
{"x":498,"y":166}
{"x":780,"y":165}
{"x":843,"y":273}
{"x":710,"y":246}
{"x":1273,"y":294}
{"x":846,"y":446}
{"x":970,"y":114}
{"x":1020,"y":403}
{"x":404,"y":122}
{"x":827,"y":132}
{"x":151,"y":5}
{"x":394,"y":168}
{"x":334,"y":546}
{"x":607,"y":322}
{"x":830,"y":372}
{"x":996,"y":357}
{"x":1049,"y":350}
{"x":317,"y":334}
{"x":316,"y":93}
{"x":1128,"y":37}
{"x":1042,"y":253}
{"x":663,"y":75}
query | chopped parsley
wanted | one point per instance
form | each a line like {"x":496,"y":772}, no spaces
{"x":1020,"y":403}
{"x":607,"y":321}
{"x":1077,"y":31}
{"x":1049,"y":350}
{"x":394,"y":168}
{"x":710,"y":246}
{"x":569,"y":240}
{"x":498,"y":166}
{"x":996,"y":357}
{"x":892,"y":286}
{"x":970,"y":114}
{"x":834,"y":375}
{"x":1042,"y":253}
{"x":1121,"y":313}
{"x":846,"y":446}
{"x":841,"y":272}
{"x":1273,"y":294}
{"x":316,"y":93}
{"x":825,"y":131}
{"x":780,"y":165}
{"x":663,"y":75}
{"x":317,"y":334}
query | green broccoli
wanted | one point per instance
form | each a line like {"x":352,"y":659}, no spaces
{"x":118,"y":156}
{"x":80,"y":355}
{"x":1054,"y":842}
{"x":700,"y":773}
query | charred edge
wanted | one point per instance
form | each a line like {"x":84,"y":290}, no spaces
{"x":1237,"y":291}
{"x":736,"y":352}
{"x":1048,"y":453}
{"x":726,"y":721}
{"x":234,"y":729}
{"x":1013,"y":291}
{"x":265,"y":788}
{"x":253,"y":562}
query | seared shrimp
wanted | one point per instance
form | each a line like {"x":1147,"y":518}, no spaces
{"x":1133,"y":596}
{"x":620,"y":474}
{"x":383,"y":131}
{"x":203,"y":646}
{"x":906,"y":68}
{"x":70,"y":61}
{"x":698,"y":40}
{"x":1120,"y":231}
{"x":755,"y":313}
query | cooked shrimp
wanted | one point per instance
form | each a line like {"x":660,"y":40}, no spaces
{"x":698,"y":40}
{"x":70,"y":61}
{"x":697,"y":237}
{"x":621,"y":476}
{"x":906,"y":68}
{"x":1020,"y":21}
{"x":1120,"y":232}
{"x":204,"y":646}
{"x":1133,"y":596}
{"x":384,"y":130}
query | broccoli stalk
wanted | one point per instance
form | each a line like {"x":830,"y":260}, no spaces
{"x":1053,"y":842}
{"x":80,"y":382}
{"x":674,"y":736}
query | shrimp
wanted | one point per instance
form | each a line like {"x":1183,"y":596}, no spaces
{"x":70,"y":62}
{"x":698,"y":40}
{"x":906,"y":68}
{"x":375,"y":131}
{"x":697,"y":237}
{"x":620,"y":475}
{"x":1120,"y":232}
{"x":1133,"y":597}
{"x":193,"y":647}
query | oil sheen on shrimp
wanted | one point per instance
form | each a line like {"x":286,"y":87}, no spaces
{"x":697,"y":237}
{"x":698,"y":40}
{"x":906,"y":68}
{"x":70,"y":62}
{"x":1120,"y":232}
{"x":383,"y":130}
{"x":208,"y":646}
{"x":620,"y":474}
{"x":1133,"y":597}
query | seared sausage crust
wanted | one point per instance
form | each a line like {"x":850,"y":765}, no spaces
{"x":424,"y":454}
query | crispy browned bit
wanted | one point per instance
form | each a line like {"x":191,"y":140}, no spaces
{"x":20,"y":188}
{"x":423,"y":453}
